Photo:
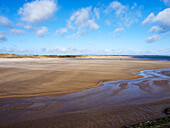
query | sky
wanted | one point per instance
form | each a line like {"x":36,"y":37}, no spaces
{"x":98,"y":27}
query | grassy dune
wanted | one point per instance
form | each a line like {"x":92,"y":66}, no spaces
{"x":51,"y":56}
{"x":20,"y":56}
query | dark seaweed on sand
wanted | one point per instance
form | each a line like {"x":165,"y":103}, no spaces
{"x":159,"y":123}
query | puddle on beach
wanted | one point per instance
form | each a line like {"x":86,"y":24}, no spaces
{"x":153,"y":87}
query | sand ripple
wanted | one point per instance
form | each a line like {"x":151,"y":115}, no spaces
{"x":116,"y":103}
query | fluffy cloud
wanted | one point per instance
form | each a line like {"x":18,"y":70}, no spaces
{"x":167,"y":2}
{"x":37,"y":11}
{"x":117,"y":7}
{"x":28,"y":27}
{"x":41,"y":32}
{"x":96,"y":12}
{"x":23,"y":25}
{"x":82,"y":21}
{"x":148,"y":19}
{"x":2,"y":37}
{"x":153,"y":38}
{"x":13,"y":50}
{"x":16,"y":31}
{"x":65,"y":50}
{"x":59,"y":50}
{"x":118,"y":31}
{"x":137,"y":51}
{"x":124,"y":15}
{"x":163,"y":20}
{"x":156,"y":29}
{"x":5,"y":21}
{"x":73,"y":50}
{"x":92,"y":25}
{"x":61,"y":31}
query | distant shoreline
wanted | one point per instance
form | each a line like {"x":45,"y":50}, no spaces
{"x":119,"y":57}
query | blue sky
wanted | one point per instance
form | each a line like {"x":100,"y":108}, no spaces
{"x":111,"y":27}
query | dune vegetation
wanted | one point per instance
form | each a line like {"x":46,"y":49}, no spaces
{"x":2,"y":55}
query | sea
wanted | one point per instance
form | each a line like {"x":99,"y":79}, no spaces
{"x":152,"y":57}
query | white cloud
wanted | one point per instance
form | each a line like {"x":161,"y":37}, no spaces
{"x":92,"y":25}
{"x":156,"y":29}
{"x":83,"y":21}
{"x":118,"y":30}
{"x":21,"y":24}
{"x":5,"y":21}
{"x":124,"y":15}
{"x":65,"y":50}
{"x":81,"y":16}
{"x":73,"y":36}
{"x":61,"y":31}
{"x":16,"y":31}
{"x":2,"y":37}
{"x":153,"y":39}
{"x":162,"y":19}
{"x":59,"y":49}
{"x":28,"y":27}
{"x":134,"y":6}
{"x":41,"y":32}
{"x":137,"y":51}
{"x":148,"y":19}
{"x":117,"y":7}
{"x":37,"y":11}
{"x":73,"y":50}
{"x":13,"y":50}
{"x":167,"y":2}
{"x":96,"y":12}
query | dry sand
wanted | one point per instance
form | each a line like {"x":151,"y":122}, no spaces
{"x":52,"y":76}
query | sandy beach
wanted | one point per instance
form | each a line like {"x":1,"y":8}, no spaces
{"x":85,"y":64}
{"x":46,"y":76}
{"x":81,"y":92}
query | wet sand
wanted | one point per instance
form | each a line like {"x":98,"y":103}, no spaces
{"x":128,"y":100}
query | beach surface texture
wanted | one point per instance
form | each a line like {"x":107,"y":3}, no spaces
{"x":82,"y":92}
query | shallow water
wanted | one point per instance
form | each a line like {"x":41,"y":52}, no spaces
{"x":153,"y":87}
{"x":152,"y":57}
